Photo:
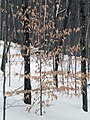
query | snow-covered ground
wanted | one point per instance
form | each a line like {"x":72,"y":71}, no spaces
{"x":64,"y":108}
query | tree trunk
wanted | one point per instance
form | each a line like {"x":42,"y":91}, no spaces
{"x":26,"y":55}
{"x":83,"y":53}
{"x":40,"y":85}
{"x":56,"y":55}
{"x":27,"y":84}
{"x":5,"y":50}
{"x":56,"y":69}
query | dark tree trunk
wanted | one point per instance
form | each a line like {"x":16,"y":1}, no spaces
{"x":26,"y":55}
{"x":56,"y":68}
{"x":56,"y":44}
{"x":83,"y":53}
{"x":27,"y":84}
{"x":40,"y":85}
{"x":5,"y":50}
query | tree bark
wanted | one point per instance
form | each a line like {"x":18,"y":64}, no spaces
{"x":83,"y":53}
{"x":56,"y":55}
{"x":40,"y":85}
{"x":26,"y":55}
{"x":5,"y":50}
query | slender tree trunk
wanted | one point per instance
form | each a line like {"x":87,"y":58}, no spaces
{"x":4,"y":82}
{"x":56,"y":55}
{"x":83,"y":53}
{"x":26,"y":55}
{"x":5,"y":50}
{"x":40,"y":10}
{"x":75,"y":74}
{"x":40,"y":86}
{"x":56,"y":68}
{"x":9,"y":69}
{"x":4,"y":96}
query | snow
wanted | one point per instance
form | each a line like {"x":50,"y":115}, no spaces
{"x":64,"y":108}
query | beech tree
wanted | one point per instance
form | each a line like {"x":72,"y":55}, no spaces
{"x":58,"y":27}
